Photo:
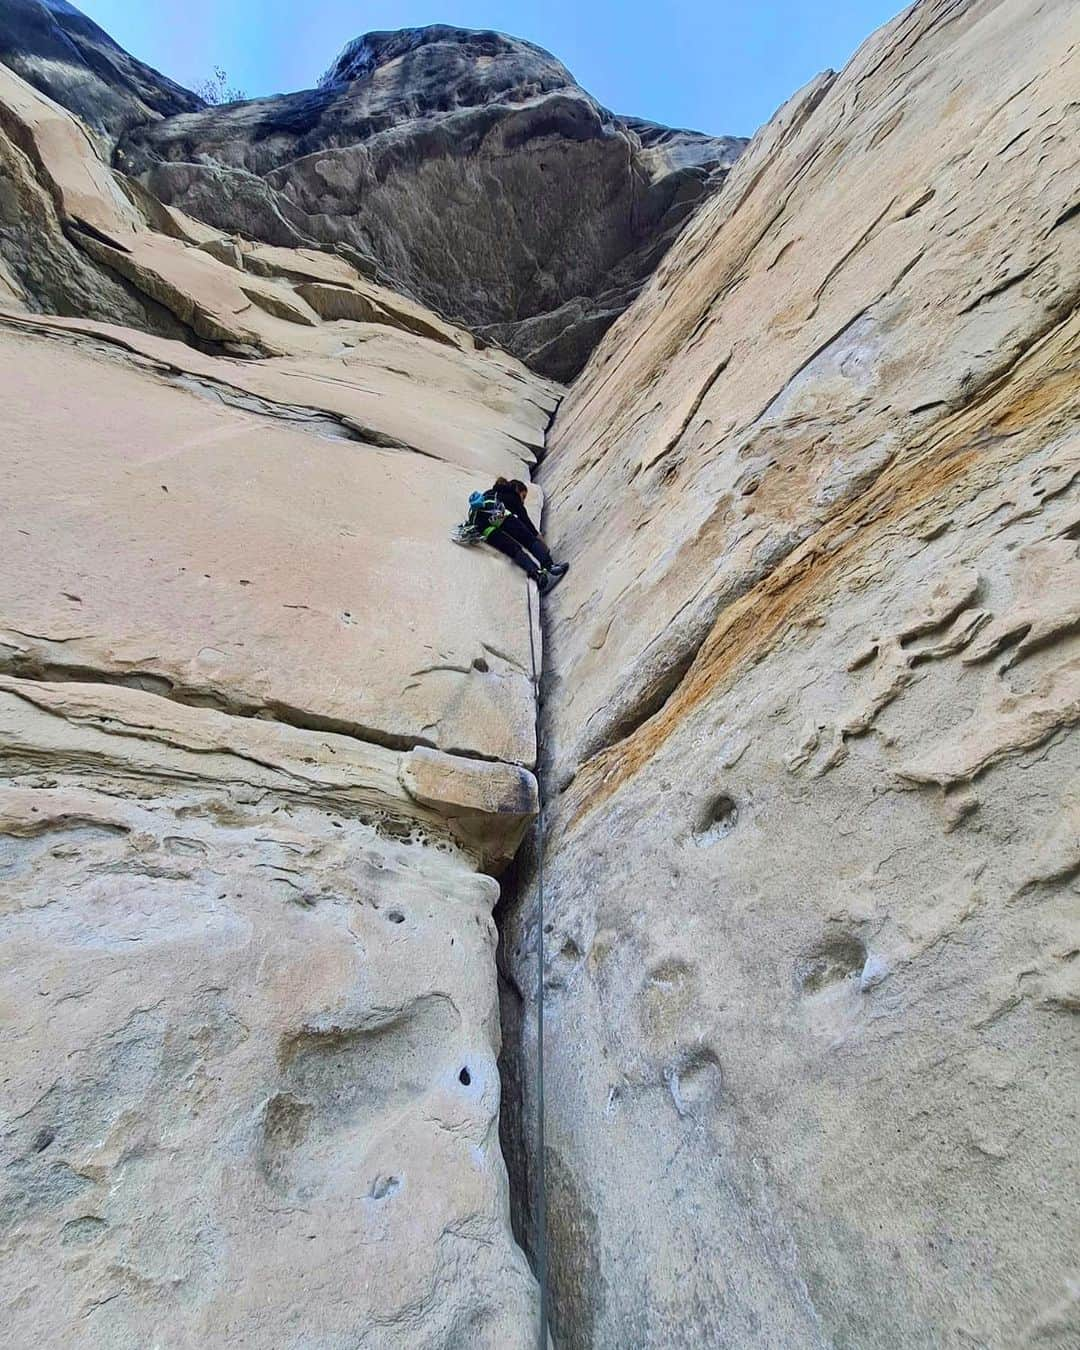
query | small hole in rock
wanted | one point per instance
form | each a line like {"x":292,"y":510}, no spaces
{"x":481,"y":665}
{"x":43,"y":1139}
{"x":838,"y":958}
{"x":396,"y":916}
{"x":718,"y":819}
{"x":383,"y":1187}
{"x":464,"y":1078}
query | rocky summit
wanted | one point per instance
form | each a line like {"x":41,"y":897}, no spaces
{"x":466,"y":168}
{"x":59,"y":50}
{"x":277,"y":779}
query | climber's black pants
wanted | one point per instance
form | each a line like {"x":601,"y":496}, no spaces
{"x":517,"y":541}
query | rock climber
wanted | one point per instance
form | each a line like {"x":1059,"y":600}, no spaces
{"x":498,"y":517}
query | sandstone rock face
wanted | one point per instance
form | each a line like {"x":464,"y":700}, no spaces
{"x":250,"y":1078}
{"x":43,"y":198}
{"x":266,"y":737}
{"x":812,"y":973}
{"x":468,"y":167}
{"x":64,"y":54}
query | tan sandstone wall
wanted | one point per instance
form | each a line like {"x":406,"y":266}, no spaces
{"x":814,"y":823}
{"x":265,"y":741}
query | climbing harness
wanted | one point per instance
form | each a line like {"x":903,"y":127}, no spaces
{"x":541,"y":1187}
{"x":470,"y":531}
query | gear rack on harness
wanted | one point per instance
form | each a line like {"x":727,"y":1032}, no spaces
{"x":470,"y":531}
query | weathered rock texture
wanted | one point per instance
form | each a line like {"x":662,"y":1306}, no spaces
{"x":64,"y":54}
{"x":265,"y":737}
{"x":51,"y":187}
{"x":813,"y":839}
{"x":266,"y":734}
{"x":468,"y":167}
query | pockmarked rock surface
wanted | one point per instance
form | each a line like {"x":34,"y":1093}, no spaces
{"x":250,"y":1079}
{"x":813,"y":686}
{"x":467,"y":167}
{"x":266,"y":739}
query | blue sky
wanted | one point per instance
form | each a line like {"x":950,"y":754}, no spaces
{"x":722,"y":66}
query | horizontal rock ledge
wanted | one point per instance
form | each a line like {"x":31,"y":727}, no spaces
{"x":104,"y":734}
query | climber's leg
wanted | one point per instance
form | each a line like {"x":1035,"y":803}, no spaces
{"x":528,"y":539}
{"x":505,"y":543}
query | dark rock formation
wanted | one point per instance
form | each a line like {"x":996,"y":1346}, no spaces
{"x":467,"y":168}
{"x":64,"y":54}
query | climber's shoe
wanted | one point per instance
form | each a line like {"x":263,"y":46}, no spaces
{"x":547,"y":581}
{"x":559,"y":569}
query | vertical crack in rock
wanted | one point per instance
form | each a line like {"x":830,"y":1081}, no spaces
{"x":259,"y":771}
{"x":813,"y":698}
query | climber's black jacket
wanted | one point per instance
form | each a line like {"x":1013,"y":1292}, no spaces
{"x":509,"y":496}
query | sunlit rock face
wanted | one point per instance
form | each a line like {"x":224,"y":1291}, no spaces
{"x":812,"y":692}
{"x":468,"y":168}
{"x":267,"y":736}
{"x":266,"y":741}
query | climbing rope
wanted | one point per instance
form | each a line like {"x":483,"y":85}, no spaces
{"x":541,"y":1186}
